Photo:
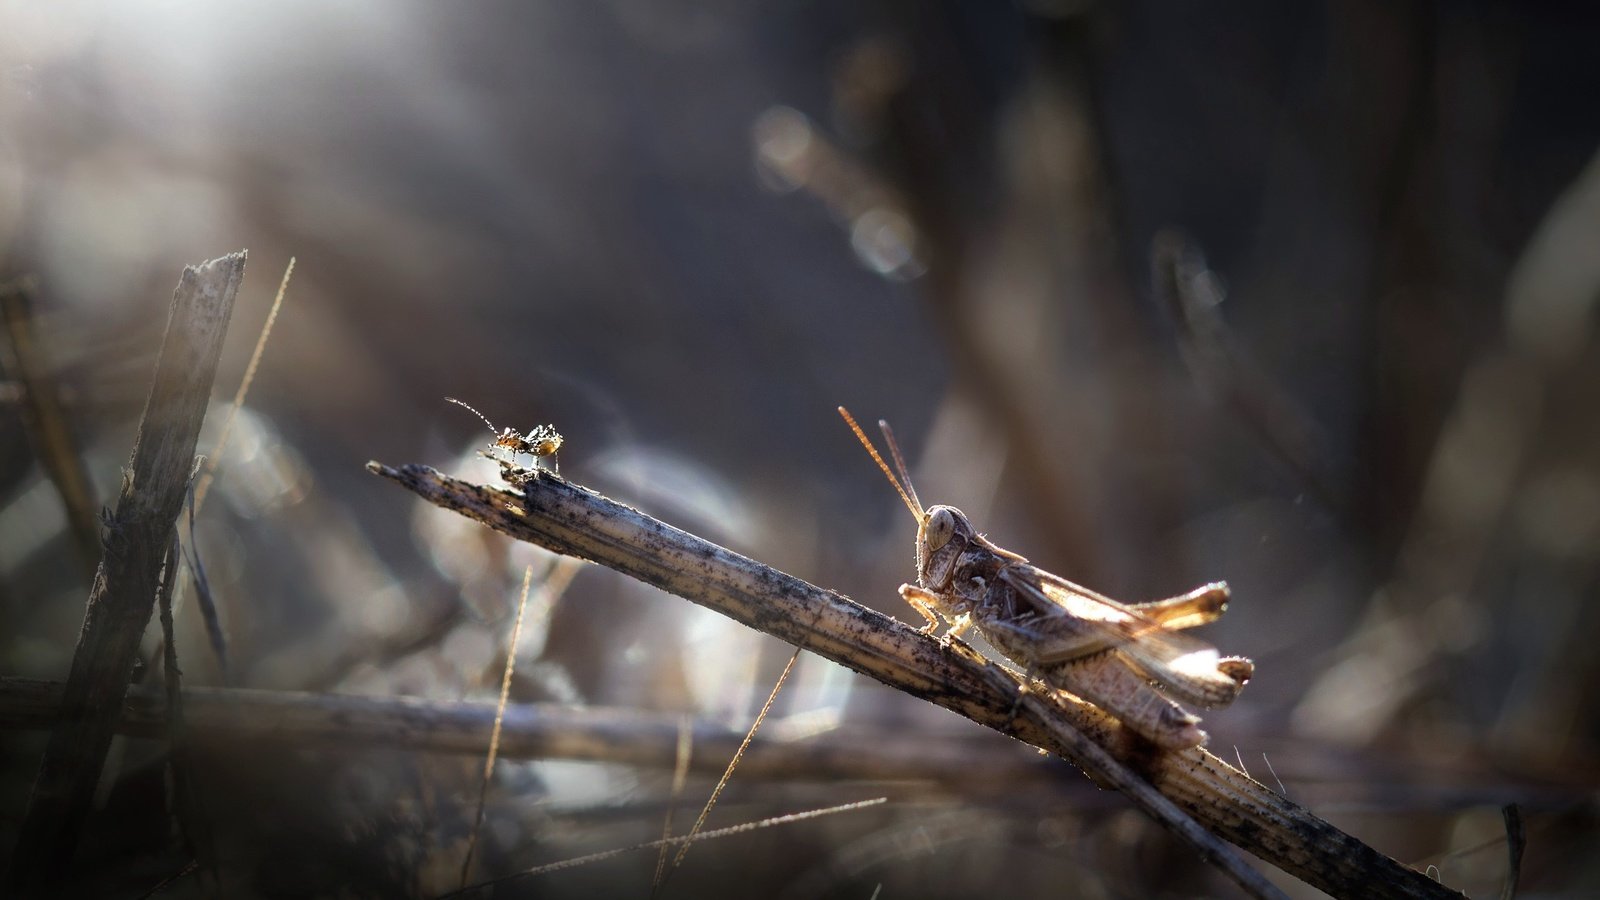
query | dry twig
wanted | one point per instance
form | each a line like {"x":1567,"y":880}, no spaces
{"x":45,"y":420}
{"x":138,"y":536}
{"x":186,"y":802}
{"x":578,"y":522}
{"x":626,"y":737}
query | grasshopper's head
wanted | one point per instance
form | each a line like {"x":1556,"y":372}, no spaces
{"x":942,"y":536}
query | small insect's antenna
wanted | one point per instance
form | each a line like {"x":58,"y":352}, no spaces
{"x":899,"y":461}
{"x":914,"y":506}
{"x":474,"y":412}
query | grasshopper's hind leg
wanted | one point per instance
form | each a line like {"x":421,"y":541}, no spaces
{"x":1107,"y":681}
{"x":1204,"y":604}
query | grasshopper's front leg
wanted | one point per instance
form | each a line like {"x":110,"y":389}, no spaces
{"x":937,"y":607}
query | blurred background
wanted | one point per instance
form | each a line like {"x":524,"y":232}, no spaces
{"x":1298,"y":297}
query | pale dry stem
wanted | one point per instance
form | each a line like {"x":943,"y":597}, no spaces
{"x":1224,"y":802}
{"x":624,"y":737}
{"x":138,"y":535}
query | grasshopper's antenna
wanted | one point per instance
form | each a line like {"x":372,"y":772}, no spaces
{"x":899,"y":461}
{"x":474,"y":412}
{"x":913,"y":505}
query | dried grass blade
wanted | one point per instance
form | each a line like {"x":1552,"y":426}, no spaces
{"x":499,"y":720}
{"x":680,"y":775}
{"x":45,"y":420}
{"x":716,"y":792}
{"x":706,"y":836}
{"x":186,"y":804}
{"x":207,"y":601}
{"x":210,"y":472}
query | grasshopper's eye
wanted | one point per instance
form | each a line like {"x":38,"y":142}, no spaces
{"x":941,"y":526}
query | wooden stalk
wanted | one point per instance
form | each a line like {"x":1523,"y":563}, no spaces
{"x":1195,"y":794}
{"x":137,"y":537}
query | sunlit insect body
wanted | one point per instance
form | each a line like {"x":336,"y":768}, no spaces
{"x":1127,"y":659}
{"x":541,"y":442}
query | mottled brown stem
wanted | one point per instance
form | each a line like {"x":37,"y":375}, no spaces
{"x":45,"y":419}
{"x":137,"y":537}
{"x":546,"y":731}
{"x":573,"y":520}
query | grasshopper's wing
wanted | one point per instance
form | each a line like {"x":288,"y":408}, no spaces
{"x":1059,"y":625}
{"x":1072,"y":621}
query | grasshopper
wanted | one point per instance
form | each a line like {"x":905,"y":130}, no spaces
{"x":1127,"y":659}
{"x":540,"y":443}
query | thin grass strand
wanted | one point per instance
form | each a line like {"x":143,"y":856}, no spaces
{"x":210,"y":473}
{"x":705,"y":836}
{"x":499,"y":719}
{"x":732,"y":764}
{"x":680,"y":776}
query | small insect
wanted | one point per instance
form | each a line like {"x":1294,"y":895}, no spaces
{"x":541,"y":442}
{"x":1127,"y":659}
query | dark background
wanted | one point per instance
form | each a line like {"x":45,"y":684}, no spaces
{"x":683,"y":233}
